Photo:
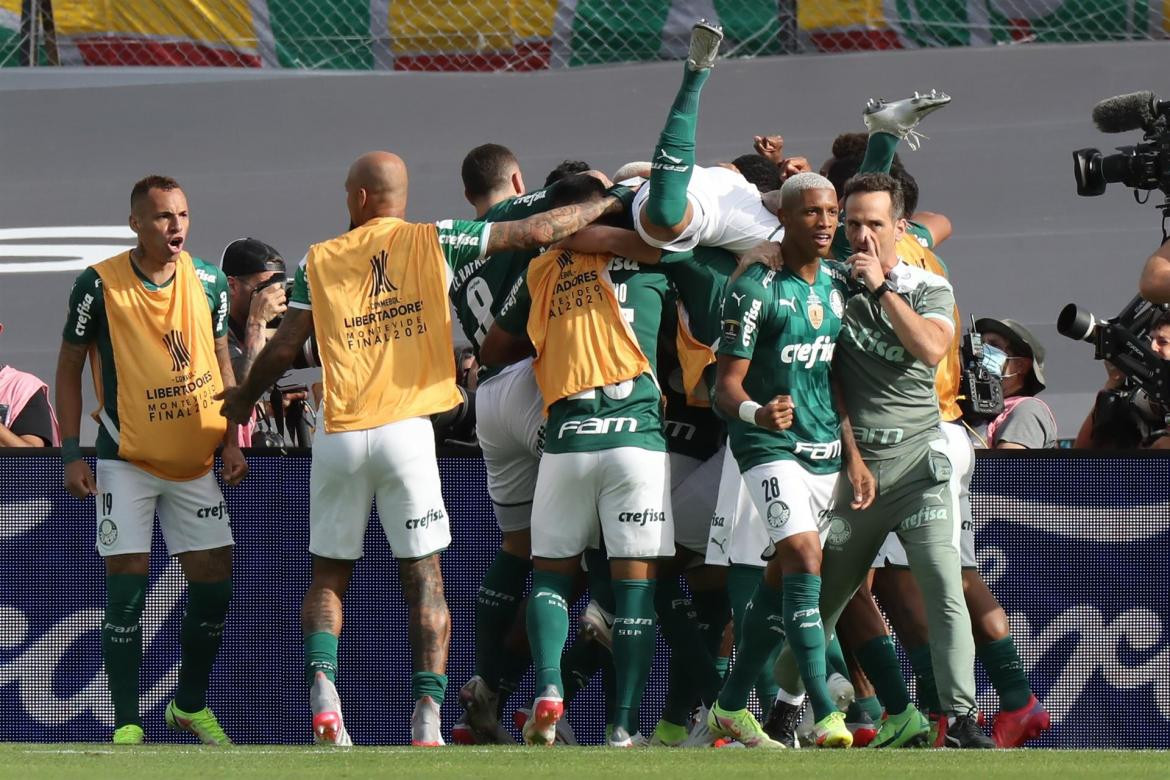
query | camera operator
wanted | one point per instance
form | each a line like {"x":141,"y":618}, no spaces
{"x":257,"y":285}
{"x":1013,"y":354}
{"x":1155,"y":281}
{"x":1122,"y":425}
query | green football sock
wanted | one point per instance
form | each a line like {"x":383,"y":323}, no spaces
{"x":742,"y":582}
{"x":496,"y":606}
{"x":122,"y":643}
{"x":320,"y":656}
{"x":879,"y":153}
{"x":880,"y":664}
{"x":722,"y":665}
{"x":871,"y":706}
{"x":1006,"y":672}
{"x":763,"y":632}
{"x":579,"y":663}
{"x":923,"y":669}
{"x":200,"y":636}
{"x":548,"y":625}
{"x":835,"y":656}
{"x":806,"y":637}
{"x":633,"y":647}
{"x":430,"y":684}
{"x":674,"y":156}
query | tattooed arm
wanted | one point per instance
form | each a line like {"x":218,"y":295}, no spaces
{"x":276,"y":356}
{"x":547,"y":227}
{"x":430,"y":621}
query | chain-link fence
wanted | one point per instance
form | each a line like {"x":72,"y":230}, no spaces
{"x":524,"y":35}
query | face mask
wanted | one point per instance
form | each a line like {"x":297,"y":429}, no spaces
{"x":994,"y":359}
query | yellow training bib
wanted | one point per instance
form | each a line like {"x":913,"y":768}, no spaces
{"x":577,"y":321}
{"x":164,"y":353}
{"x":383,"y":326}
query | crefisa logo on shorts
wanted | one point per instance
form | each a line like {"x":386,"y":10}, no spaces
{"x":432,"y":516}
{"x":219,"y":510}
{"x":643,"y":517}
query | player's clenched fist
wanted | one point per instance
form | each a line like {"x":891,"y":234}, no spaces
{"x":776,"y":415}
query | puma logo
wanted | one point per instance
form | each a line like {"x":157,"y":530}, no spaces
{"x":789,"y":302}
{"x":738,"y":296}
{"x":672,"y":160}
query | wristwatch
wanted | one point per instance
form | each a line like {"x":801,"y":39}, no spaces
{"x":881,"y":290}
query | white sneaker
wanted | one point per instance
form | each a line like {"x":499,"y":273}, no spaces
{"x":328,"y":725}
{"x":597,"y":624}
{"x":841,"y":690}
{"x":619,"y":738}
{"x":701,"y":734}
{"x":705,"y":40}
{"x":425,"y":724}
{"x":900,"y":117}
{"x":539,"y":725}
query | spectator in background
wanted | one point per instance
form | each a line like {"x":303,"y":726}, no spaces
{"x":1026,"y":423}
{"x":26,"y":416}
{"x":1119,"y":420}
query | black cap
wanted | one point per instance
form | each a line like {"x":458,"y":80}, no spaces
{"x":247,"y":256}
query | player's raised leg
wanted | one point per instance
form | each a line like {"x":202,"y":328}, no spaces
{"x":899,"y":118}
{"x":667,"y":211}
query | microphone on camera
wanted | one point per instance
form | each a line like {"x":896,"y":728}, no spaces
{"x":1135,"y":111}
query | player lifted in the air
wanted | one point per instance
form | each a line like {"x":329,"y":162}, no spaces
{"x":684,"y":205}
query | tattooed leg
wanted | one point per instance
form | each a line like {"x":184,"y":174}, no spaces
{"x":430,"y":621}
{"x":321,"y":616}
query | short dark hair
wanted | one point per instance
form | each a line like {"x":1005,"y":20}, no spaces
{"x":152,"y":182}
{"x":485,"y":168}
{"x":1162,"y":321}
{"x":853,"y":145}
{"x":879,"y":182}
{"x":841,"y":170}
{"x":575,"y":188}
{"x":909,"y":189}
{"x":759,"y":170}
{"x":566,"y":168}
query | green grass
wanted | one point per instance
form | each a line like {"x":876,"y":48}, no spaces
{"x":22,"y":761}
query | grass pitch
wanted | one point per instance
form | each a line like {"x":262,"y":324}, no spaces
{"x":22,"y":761}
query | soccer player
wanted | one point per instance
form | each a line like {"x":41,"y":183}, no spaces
{"x":684,"y":205}
{"x":780,"y":328}
{"x":155,"y":321}
{"x":375,"y":298}
{"x":510,"y":427}
{"x":594,"y":321}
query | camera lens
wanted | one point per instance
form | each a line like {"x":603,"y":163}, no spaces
{"x":1087,"y":170}
{"x":1076,"y":324}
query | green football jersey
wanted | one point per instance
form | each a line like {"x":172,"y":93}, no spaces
{"x":602,"y":421}
{"x":693,"y":431}
{"x":888,"y":392}
{"x":788,"y":329}
{"x":86,"y":324}
{"x":478,"y":288}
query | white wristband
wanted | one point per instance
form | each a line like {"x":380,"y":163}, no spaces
{"x":747,"y":412}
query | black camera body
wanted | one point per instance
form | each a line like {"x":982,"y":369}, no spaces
{"x":980,"y":391}
{"x":275,"y":279}
{"x":1144,"y":398}
{"x":1144,"y":166}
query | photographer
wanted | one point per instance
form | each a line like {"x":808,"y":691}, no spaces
{"x":1116,"y":423}
{"x":1012,"y":353}
{"x":257,"y":286}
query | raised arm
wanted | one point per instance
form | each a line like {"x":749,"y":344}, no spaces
{"x":550,"y":226}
